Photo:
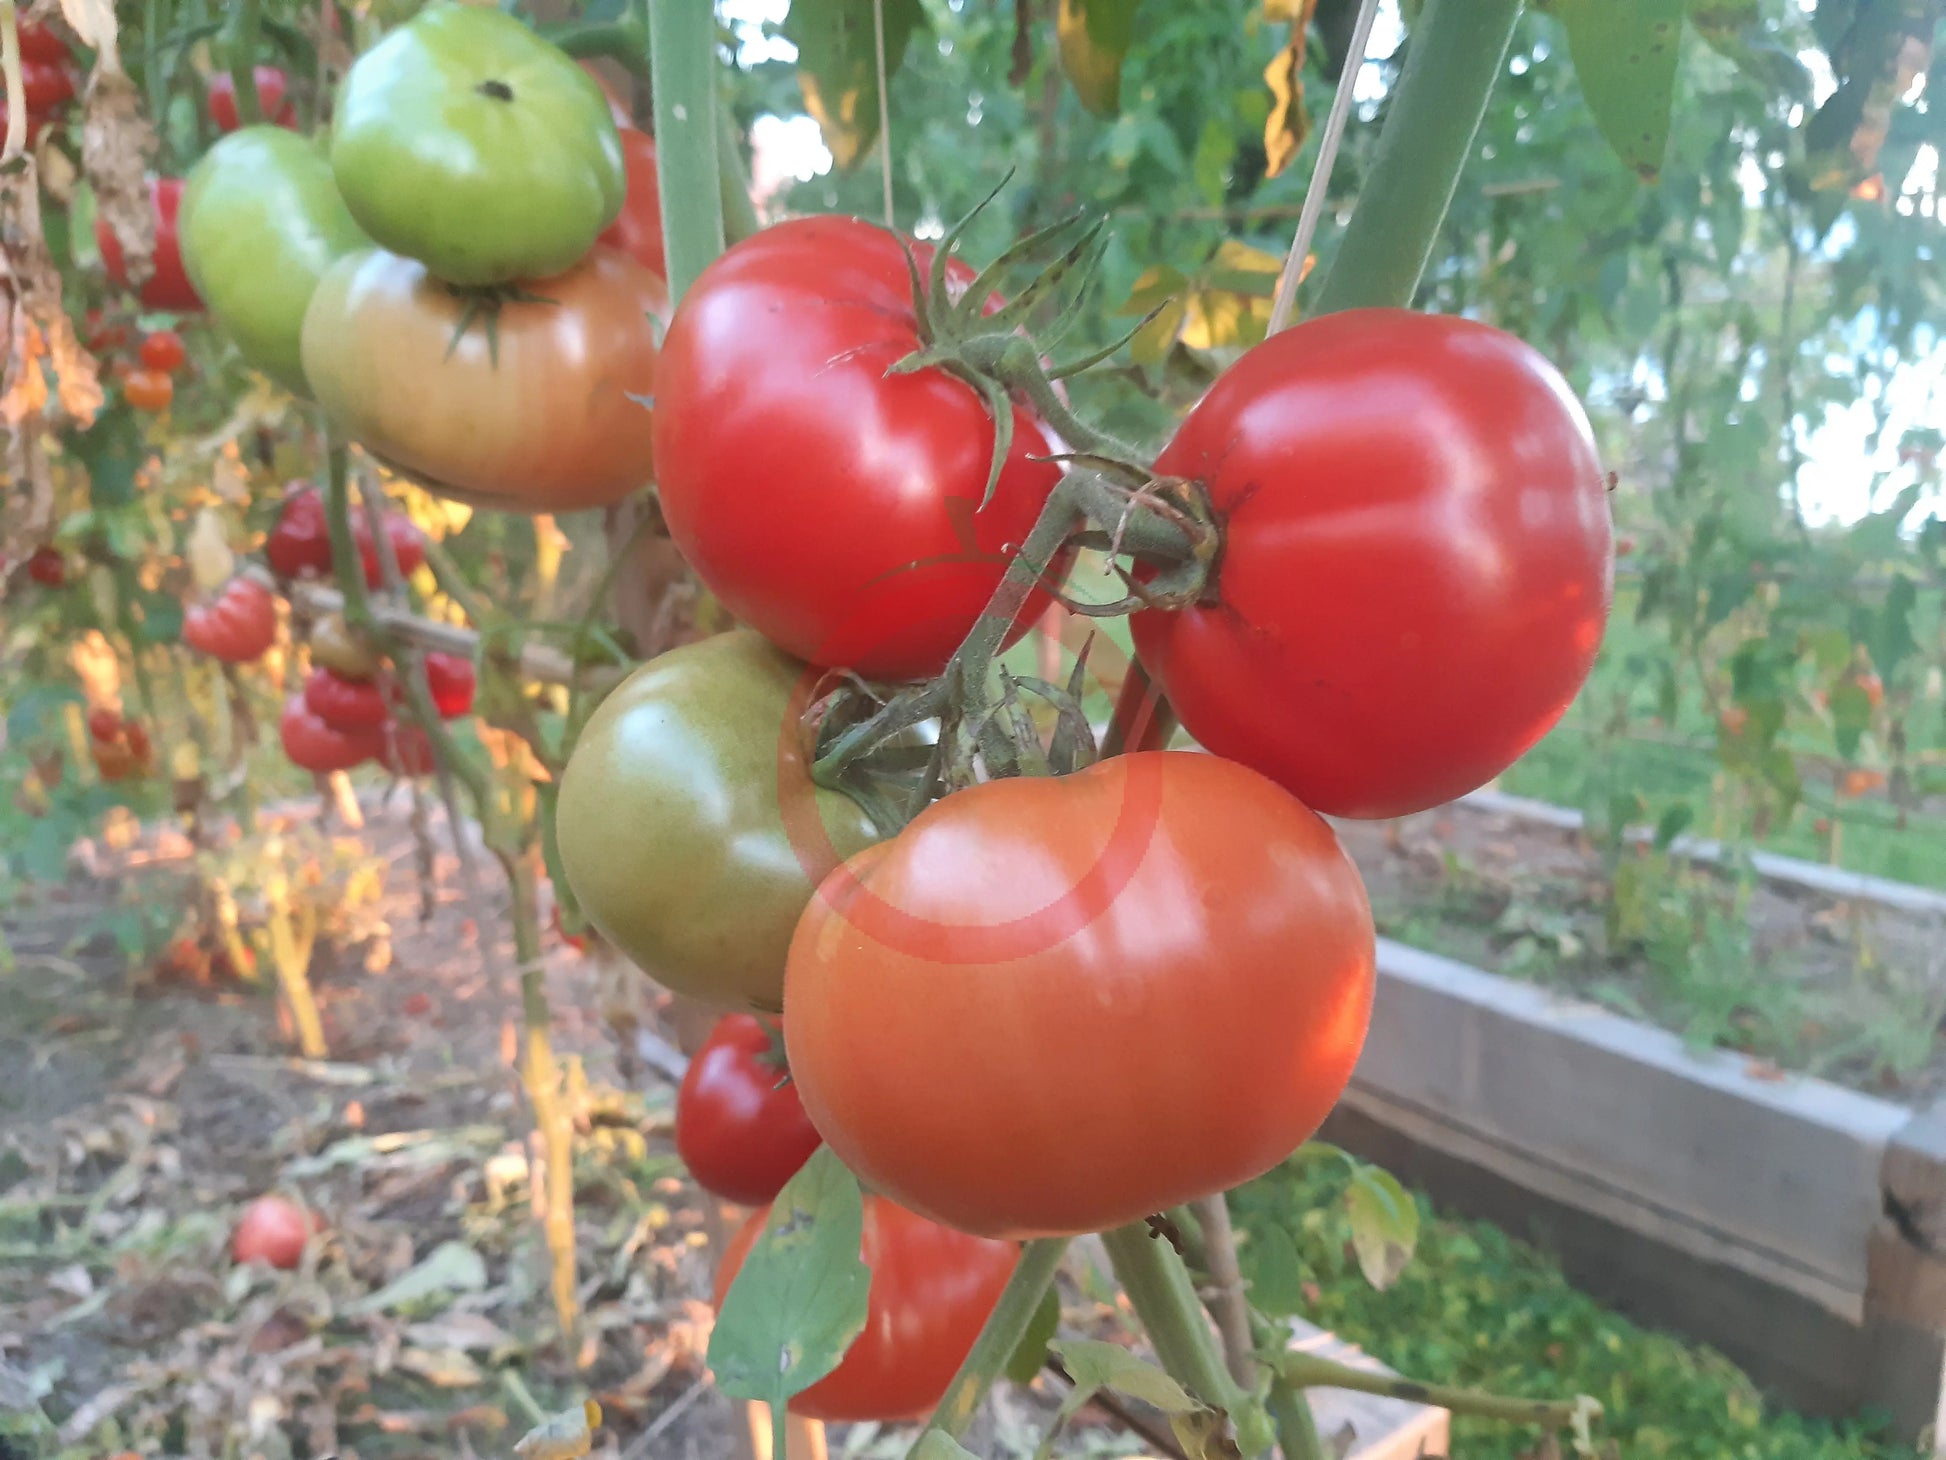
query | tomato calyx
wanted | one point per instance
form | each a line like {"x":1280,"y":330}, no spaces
{"x":481,"y":305}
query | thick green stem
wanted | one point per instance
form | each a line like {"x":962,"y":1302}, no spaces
{"x":625,"y":40}
{"x":1005,"y":1327}
{"x":347,"y":565}
{"x":1311,"y":1371}
{"x":241,"y":48}
{"x":1453,"y":57}
{"x":1297,"y":1427}
{"x":682,"y":61}
{"x":1163,"y":1297}
{"x":740,"y":219}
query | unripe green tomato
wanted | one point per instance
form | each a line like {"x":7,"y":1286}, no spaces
{"x":260,"y":222}
{"x":465,"y":141}
{"x":689,"y":828}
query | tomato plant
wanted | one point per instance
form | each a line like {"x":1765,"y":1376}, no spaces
{"x":1412,"y":510}
{"x":272,"y":1229}
{"x":932,"y":1289}
{"x":406,"y":749}
{"x":299,"y":543}
{"x":163,"y":351}
{"x":740,"y":1128}
{"x":168,"y":287}
{"x":271,"y":82}
{"x":702,"y":741}
{"x":1069,"y":940}
{"x":335,"y":646}
{"x":465,"y":141}
{"x":346,"y":704}
{"x":836,"y":507}
{"x":47,"y":86}
{"x":540,"y":411}
{"x":238,"y":627}
{"x":451,"y":680}
{"x":47,"y":567}
{"x":261,"y":222}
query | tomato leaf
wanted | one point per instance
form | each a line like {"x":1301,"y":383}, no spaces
{"x":1289,"y":123}
{"x":1625,"y":54}
{"x":938,"y":1445}
{"x":1095,"y":1365}
{"x":837,"y":66}
{"x":1094,"y":37}
{"x":1878,"y":49}
{"x":1031,"y":1352}
{"x":800,"y":1297}
{"x":1851,"y":717}
{"x":1384,"y":1224}
{"x":1673,"y":823}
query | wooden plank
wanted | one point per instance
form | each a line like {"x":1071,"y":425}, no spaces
{"x":1381,"y":1428}
{"x":1777,"y":1177}
{"x":1793,"y":871}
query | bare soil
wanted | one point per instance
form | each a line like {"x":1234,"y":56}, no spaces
{"x":1849,"y":991}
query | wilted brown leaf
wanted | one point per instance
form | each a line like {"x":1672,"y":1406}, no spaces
{"x":117,"y":144}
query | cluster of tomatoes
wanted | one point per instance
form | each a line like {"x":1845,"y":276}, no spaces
{"x":47,"y":74}
{"x":147,"y":377}
{"x":1412,"y":579}
{"x":120,"y":747}
{"x":463,"y":274}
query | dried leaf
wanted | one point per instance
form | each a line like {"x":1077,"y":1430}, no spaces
{"x":1288,"y":123}
{"x":449,"y":1368}
{"x":93,"y":22}
{"x":566,"y":1436}
{"x":208,"y":549}
{"x":117,"y":145}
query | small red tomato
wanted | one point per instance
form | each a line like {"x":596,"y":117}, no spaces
{"x":740,"y":1128}
{"x":408,"y":545}
{"x":313,"y":745}
{"x":344,"y":703}
{"x":104,"y":725}
{"x":273,"y":1229}
{"x":47,"y":567}
{"x":238,"y":627}
{"x":163,"y":351}
{"x":168,"y":288}
{"x":272,"y":102}
{"x":932,"y":1291}
{"x":637,"y":229}
{"x":39,"y":43}
{"x":406,"y":750}
{"x":106,"y":334}
{"x":113,"y":761}
{"x":47,"y":86}
{"x":451,"y":680}
{"x":300,"y":543}
{"x":149,"y":390}
{"x":138,"y":745}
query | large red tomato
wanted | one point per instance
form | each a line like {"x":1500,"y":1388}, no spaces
{"x":344,"y":703}
{"x":637,"y":230}
{"x":1085,"y":999}
{"x":238,"y":626}
{"x":1415,"y":570}
{"x":740,"y":1129}
{"x":832,"y":506}
{"x":314,"y":746}
{"x":168,"y":287}
{"x":542,"y":409}
{"x":39,"y":43}
{"x":932,"y":1292}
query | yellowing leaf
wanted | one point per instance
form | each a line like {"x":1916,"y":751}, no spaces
{"x":1288,"y":123}
{"x":208,"y":550}
{"x":565,"y":1436}
{"x":93,"y":22}
{"x":1094,"y":37}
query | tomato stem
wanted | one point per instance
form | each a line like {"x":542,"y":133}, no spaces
{"x":347,"y":564}
{"x":1143,"y":718}
{"x":682,"y":64}
{"x":240,"y":46}
{"x":1297,"y":1426}
{"x":1453,"y":58}
{"x":1314,"y":1371}
{"x":1019,"y":1301}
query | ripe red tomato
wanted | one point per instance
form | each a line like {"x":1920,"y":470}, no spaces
{"x":300,"y":543}
{"x":163,"y":351}
{"x":105,"y":333}
{"x":542,"y":412}
{"x":39,"y":43}
{"x":637,"y":230}
{"x":238,"y":627}
{"x":273,"y":1229}
{"x":740,"y":1130}
{"x":149,"y":390}
{"x":932,"y":1291}
{"x":408,"y":545}
{"x":1416,"y":566}
{"x":168,"y":288}
{"x":405,"y":749}
{"x":275,"y":106}
{"x":104,"y":724}
{"x":832,"y":506}
{"x":313,"y":745}
{"x":344,"y":703}
{"x":451,"y":680}
{"x":47,"y":86}
{"x":1154,"y":977}
{"x":47,"y":567}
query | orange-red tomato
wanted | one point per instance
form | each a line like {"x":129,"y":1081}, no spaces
{"x":637,"y":229}
{"x":238,"y":626}
{"x":149,"y":390}
{"x":273,"y":1229}
{"x":932,"y":1291}
{"x":1149,"y":981}
{"x":545,"y":412}
{"x":163,"y":351}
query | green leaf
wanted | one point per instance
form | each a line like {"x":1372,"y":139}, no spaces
{"x":1274,"y":1269}
{"x":1094,"y":1365}
{"x":837,"y":66}
{"x":451,"y":1267}
{"x":1384,"y":1224}
{"x":1094,"y":37}
{"x":1031,"y":1352}
{"x":1735,"y":30}
{"x":44,"y":854}
{"x":1851,"y":717}
{"x":1625,"y":54}
{"x":1889,"y":636}
{"x":1673,"y":823}
{"x":801,"y":1296}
